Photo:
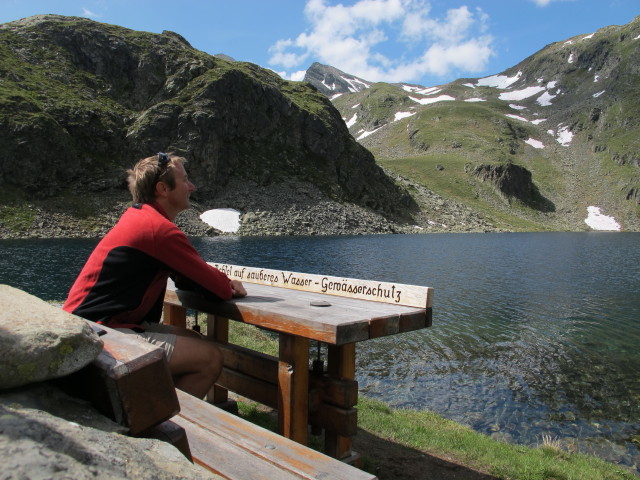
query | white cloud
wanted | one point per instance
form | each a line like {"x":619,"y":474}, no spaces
{"x":544,"y":3}
{"x":358,"y":38}
{"x":88,"y":13}
{"x":298,"y":76}
{"x":280,"y":57}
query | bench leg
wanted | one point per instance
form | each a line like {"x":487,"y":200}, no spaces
{"x":341,"y":364}
{"x":293,"y":387}
{"x":175,"y":315}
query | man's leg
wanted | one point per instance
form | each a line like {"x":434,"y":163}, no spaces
{"x":195,"y":363}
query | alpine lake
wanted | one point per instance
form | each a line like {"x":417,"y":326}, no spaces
{"x":533,"y":333}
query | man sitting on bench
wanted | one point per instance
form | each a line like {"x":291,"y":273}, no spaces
{"x":123,"y":283}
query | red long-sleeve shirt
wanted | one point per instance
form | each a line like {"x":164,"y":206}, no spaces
{"x":124,"y":280}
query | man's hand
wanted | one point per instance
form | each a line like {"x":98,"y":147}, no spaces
{"x":238,"y":289}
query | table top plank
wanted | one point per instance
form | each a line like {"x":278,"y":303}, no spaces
{"x":344,"y":320}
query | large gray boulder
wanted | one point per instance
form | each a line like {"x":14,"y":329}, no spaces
{"x":45,"y":433}
{"x":39,"y":341}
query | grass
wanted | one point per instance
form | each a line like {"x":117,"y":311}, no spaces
{"x":16,"y":218}
{"x":435,"y":435}
{"x":428,"y":432}
{"x":456,"y":184}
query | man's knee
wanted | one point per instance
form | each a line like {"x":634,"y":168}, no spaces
{"x":216,"y":359}
{"x":208,"y":358}
{"x":191,"y":354}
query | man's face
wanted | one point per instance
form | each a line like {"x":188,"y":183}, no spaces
{"x":178,"y":198}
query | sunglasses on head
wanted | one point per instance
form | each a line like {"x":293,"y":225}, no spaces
{"x":163,"y":162}
{"x":163,"y":159}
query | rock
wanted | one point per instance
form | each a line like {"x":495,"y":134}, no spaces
{"x":48,"y":434}
{"x":133,"y":92}
{"x":514,"y":182}
{"x":331,"y":81}
{"x":39,"y":341}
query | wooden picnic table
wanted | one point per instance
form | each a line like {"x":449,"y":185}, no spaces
{"x":309,"y":308}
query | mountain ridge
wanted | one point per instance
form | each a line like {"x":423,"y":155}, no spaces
{"x":530,"y":148}
{"x":568,"y":111}
{"x":81,"y":100}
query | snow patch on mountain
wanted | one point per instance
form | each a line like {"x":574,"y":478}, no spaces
{"x":366,"y":133}
{"x":401,"y":115}
{"x":223,"y":219}
{"x":498,"y":81}
{"x":597,"y":221}
{"x":521,"y":94}
{"x":534,"y":143}
{"x":426,"y":101}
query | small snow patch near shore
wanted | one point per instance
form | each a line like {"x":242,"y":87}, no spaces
{"x":223,"y":219}
{"x":598,"y":221}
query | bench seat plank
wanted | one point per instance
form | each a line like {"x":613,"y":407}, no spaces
{"x":248,"y":448}
{"x":220,"y":456}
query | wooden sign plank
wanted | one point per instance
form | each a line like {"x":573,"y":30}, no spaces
{"x":384,"y":292}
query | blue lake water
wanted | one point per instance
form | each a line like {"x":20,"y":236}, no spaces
{"x":533,"y":333}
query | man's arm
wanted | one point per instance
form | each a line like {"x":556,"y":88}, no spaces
{"x":174,"y":249}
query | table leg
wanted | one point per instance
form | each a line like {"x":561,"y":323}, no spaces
{"x":341,"y":364}
{"x":293,"y":387}
{"x":218,"y":331}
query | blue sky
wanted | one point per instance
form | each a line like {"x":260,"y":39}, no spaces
{"x":428,"y":42}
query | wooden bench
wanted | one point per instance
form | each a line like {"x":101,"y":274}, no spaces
{"x":236,"y":449}
{"x":130,"y":383}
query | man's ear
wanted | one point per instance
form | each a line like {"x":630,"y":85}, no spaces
{"x":161,"y":190}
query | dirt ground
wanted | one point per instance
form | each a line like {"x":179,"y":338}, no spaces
{"x":396,"y":462}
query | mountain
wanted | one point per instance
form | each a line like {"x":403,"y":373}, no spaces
{"x":81,"y":101}
{"x":530,"y":148}
{"x":331,"y":81}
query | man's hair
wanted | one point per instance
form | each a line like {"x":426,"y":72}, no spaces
{"x":145,"y":174}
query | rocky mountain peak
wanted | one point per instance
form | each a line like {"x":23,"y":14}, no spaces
{"x":83,"y":100}
{"x":330,"y":81}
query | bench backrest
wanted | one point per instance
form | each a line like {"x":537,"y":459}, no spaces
{"x":384,"y":292}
